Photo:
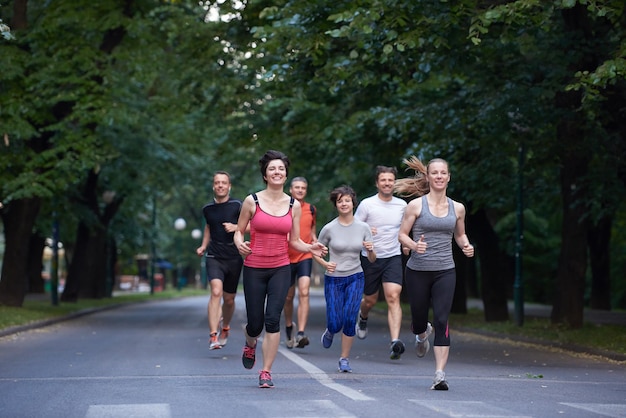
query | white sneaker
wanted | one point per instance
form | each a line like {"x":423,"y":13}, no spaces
{"x":361,"y":327}
{"x":214,"y":343}
{"x":439,"y":382}
{"x":422,"y":346}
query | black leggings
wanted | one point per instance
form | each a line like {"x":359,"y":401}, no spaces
{"x":424,"y":287}
{"x":261,"y":285}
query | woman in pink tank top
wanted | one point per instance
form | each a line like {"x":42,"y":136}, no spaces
{"x":274,"y":219}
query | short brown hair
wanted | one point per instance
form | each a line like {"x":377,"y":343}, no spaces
{"x":340,"y":191}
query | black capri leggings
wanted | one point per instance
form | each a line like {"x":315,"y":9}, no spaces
{"x":265,"y":290}
{"x":424,"y":287}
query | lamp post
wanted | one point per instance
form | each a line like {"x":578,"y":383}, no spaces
{"x":179,"y":224}
{"x":197,"y":234}
{"x":54,"y":267}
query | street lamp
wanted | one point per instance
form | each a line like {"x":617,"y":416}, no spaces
{"x":179,"y":224}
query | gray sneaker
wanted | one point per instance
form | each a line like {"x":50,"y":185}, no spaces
{"x":439,"y":382}
{"x":422,"y":346}
{"x":301,"y":340}
{"x":361,"y":327}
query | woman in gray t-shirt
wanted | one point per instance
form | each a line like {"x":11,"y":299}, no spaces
{"x":345,"y":236}
{"x":432,"y":221}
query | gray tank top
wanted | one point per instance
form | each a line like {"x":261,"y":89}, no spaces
{"x":438,"y":233}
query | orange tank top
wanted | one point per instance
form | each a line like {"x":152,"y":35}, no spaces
{"x":307,"y":222}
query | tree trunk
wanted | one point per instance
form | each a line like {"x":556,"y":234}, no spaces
{"x":86,"y":277}
{"x":570,"y":282}
{"x":87,"y":273}
{"x":496,"y":278}
{"x":574,"y":154}
{"x":35,"y":263}
{"x":599,"y":240}
{"x":18,"y":218}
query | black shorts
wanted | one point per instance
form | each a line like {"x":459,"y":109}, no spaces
{"x":301,"y":268}
{"x":228,"y":270}
{"x":383,"y":270}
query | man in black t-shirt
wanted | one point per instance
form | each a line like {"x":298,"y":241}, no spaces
{"x":223,"y":261}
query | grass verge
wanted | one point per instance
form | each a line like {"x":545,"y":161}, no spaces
{"x":599,"y":339}
{"x":595,"y":337}
{"x":39,"y":307}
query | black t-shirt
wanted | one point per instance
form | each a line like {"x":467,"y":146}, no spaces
{"x":221,"y":244}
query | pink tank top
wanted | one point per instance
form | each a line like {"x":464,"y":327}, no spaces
{"x":268,"y":238}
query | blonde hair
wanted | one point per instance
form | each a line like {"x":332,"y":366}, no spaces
{"x":418,"y":184}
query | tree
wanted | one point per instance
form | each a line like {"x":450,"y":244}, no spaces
{"x":591,"y":74}
{"x":68,"y":123}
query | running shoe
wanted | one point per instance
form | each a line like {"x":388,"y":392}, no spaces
{"x":327,"y":339}
{"x":214,"y":343}
{"x":223,"y":336}
{"x":223,"y":333}
{"x":397,"y":348}
{"x":422,"y":346}
{"x":265,"y":379}
{"x":289,"y":341}
{"x":302,"y":340}
{"x":344,"y":365}
{"x":249,"y":356}
{"x":439,"y":382}
{"x":361,"y":327}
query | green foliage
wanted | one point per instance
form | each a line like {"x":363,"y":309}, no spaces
{"x":539,"y":252}
{"x":156,"y":97}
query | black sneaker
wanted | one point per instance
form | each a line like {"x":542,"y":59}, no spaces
{"x":265,"y":379}
{"x":397,"y":348}
{"x":249,"y":356}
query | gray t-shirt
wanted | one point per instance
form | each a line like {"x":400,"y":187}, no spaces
{"x":386,"y":217}
{"x":438,"y":234}
{"x":345,"y":243}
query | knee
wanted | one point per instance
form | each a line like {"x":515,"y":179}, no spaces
{"x":229,"y":301}
{"x":370,"y":300}
{"x":272,"y":325}
{"x":290,"y":295}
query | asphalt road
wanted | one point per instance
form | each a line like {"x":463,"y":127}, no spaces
{"x":152,"y":360}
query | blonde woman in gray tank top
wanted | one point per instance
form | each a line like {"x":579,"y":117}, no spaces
{"x":429,"y":225}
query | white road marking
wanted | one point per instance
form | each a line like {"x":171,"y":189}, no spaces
{"x":474,"y":409}
{"x":319,"y":375}
{"x":152,"y":410}
{"x":303,"y":409}
{"x":610,"y":410}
